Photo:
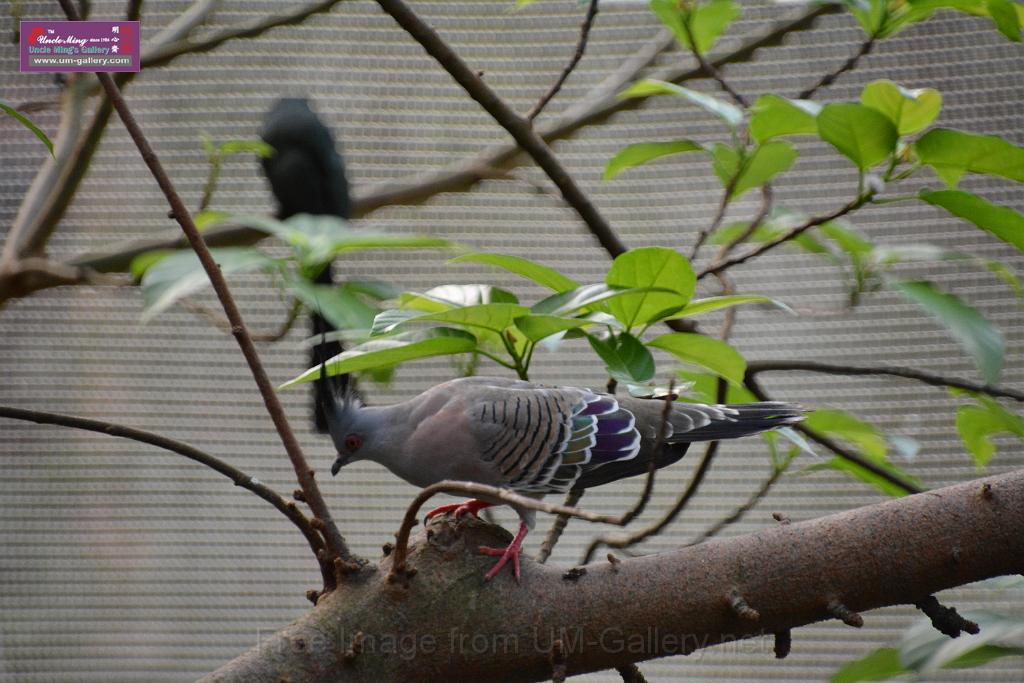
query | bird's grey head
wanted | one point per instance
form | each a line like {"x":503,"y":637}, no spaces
{"x":348,"y":431}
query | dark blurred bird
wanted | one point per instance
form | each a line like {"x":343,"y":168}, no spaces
{"x":307,"y":175}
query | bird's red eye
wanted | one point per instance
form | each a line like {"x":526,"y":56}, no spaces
{"x":353,"y":442}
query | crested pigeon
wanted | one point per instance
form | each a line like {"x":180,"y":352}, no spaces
{"x":529,"y":438}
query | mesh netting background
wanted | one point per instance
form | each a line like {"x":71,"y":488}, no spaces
{"x":121,"y":562}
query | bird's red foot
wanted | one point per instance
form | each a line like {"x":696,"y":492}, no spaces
{"x":506,"y":554}
{"x":470,"y":507}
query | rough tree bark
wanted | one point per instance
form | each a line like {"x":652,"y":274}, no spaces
{"x":446,"y":624}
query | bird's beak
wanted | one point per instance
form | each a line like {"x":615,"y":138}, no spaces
{"x":339,"y":462}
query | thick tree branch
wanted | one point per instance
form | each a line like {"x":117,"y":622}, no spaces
{"x":336,"y":545}
{"x":236,"y":475}
{"x":577,"y":55}
{"x":897,"y":552}
{"x":758,"y":366}
{"x":518,"y":127}
{"x":399,"y":570}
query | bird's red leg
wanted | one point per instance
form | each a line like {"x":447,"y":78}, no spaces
{"x":506,"y":554}
{"x":471,"y":506}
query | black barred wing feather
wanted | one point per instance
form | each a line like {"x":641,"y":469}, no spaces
{"x":542,"y":439}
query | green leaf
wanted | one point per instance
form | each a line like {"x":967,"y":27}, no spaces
{"x":714,"y":303}
{"x":773,"y":116}
{"x":27,"y":123}
{"x":867,"y":439}
{"x":537,"y":327}
{"x":542,"y":275}
{"x":642,"y":152}
{"x":317,"y":239}
{"x":1004,"y":15}
{"x":848,"y":239}
{"x":879,"y":665}
{"x":490,"y":317}
{"x":976,"y":334}
{"x":146,"y":260}
{"x":766,"y":161}
{"x":586,"y":296}
{"x":647,"y":87}
{"x":625,"y":357}
{"x":650,"y":267}
{"x":710,"y":354}
{"x":909,"y":110}
{"x":382,"y":353}
{"x":863,"y":135}
{"x":999,"y":221}
{"x":257,"y":147}
{"x":838,"y":423}
{"x":710,"y":20}
{"x":706,"y":21}
{"x":338,"y":304}
{"x":953,"y":152}
{"x":208,"y":218}
{"x":443,"y":297}
{"x":870,"y":14}
{"x":180,"y":274}
{"x":977,"y":424}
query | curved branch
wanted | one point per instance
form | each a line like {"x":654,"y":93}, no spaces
{"x":896,"y":552}
{"x":758,"y":366}
{"x":849,"y":65}
{"x":721,"y":265}
{"x":657,"y":527}
{"x":577,"y":55}
{"x":555,"y":532}
{"x":518,"y":127}
{"x":336,"y":545}
{"x":166,"y":53}
{"x":738,"y":514}
{"x":236,"y":475}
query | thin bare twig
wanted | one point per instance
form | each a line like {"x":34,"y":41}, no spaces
{"x":337,"y":548}
{"x":752,"y":226}
{"x":723,"y":206}
{"x":555,"y":532}
{"x":710,"y":69}
{"x":738,"y":514}
{"x":224,"y":326}
{"x":164,"y":54}
{"x":577,"y":55}
{"x":782,"y":239}
{"x":759,"y":366}
{"x":237,"y":476}
{"x":667,"y":518}
{"x":846,"y":454}
{"x":849,"y":65}
{"x":519,"y":128}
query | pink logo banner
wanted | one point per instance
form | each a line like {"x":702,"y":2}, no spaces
{"x":62,"y":46}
